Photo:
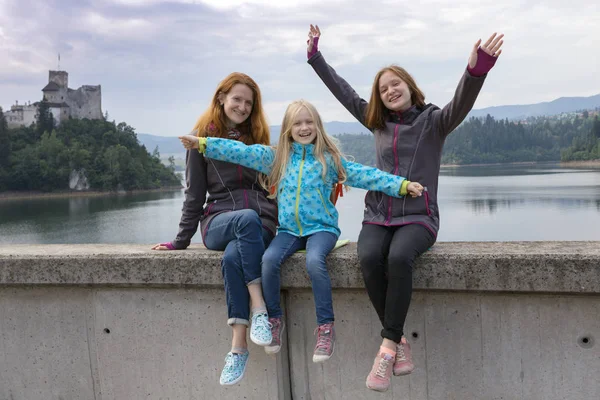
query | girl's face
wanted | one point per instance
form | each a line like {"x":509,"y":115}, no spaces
{"x":304,"y":130}
{"x":237,"y":104}
{"x":394,"y":92}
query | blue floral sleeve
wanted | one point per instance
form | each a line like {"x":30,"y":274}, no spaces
{"x":370,"y":178}
{"x":257,"y":156}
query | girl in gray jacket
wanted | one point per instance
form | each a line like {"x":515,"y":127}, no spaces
{"x":409,"y":136}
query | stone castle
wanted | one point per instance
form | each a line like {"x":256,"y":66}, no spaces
{"x":64,"y":103}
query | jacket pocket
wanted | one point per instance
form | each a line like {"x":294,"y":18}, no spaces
{"x":323,"y":201}
{"x":426,"y":196}
{"x":207,"y":211}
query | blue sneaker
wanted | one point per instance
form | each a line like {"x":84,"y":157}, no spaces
{"x":235,"y":366}
{"x":260,"y":332}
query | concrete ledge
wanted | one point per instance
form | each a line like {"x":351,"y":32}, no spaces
{"x":553,"y":267}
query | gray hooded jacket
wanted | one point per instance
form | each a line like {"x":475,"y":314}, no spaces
{"x":230,"y":187}
{"x":410,"y":145}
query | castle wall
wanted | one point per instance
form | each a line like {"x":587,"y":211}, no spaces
{"x":20,"y":116}
{"x":85,"y":102}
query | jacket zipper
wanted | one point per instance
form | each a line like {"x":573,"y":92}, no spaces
{"x":242,"y":186}
{"x":298,"y":191}
{"x":323,"y":201}
{"x":396,"y":167}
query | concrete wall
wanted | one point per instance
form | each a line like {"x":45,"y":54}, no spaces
{"x":488,"y":321}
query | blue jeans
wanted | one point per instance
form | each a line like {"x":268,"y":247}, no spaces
{"x":243,"y":239}
{"x":318,"y":246}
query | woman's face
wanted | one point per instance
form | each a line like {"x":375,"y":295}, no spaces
{"x":394,"y":92}
{"x":237,"y":104}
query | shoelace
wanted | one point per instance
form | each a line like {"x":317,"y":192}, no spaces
{"x":382,"y":368}
{"x":275,"y":326}
{"x":323,"y":340}
{"x":230,"y":360}
{"x":263,"y":322}
{"x":400,"y":356}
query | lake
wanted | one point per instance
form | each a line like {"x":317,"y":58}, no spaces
{"x":477,"y":203}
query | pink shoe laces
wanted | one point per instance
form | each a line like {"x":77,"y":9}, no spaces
{"x":384,"y":363}
{"x":324,"y":338}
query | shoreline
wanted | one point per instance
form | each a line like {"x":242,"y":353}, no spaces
{"x":5,"y":196}
{"x":589,"y":163}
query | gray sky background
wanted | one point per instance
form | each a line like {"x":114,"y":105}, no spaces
{"x":159,"y":61}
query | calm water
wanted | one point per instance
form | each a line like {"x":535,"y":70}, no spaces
{"x":503,"y":203}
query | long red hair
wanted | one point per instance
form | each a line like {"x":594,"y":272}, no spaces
{"x":213,"y":122}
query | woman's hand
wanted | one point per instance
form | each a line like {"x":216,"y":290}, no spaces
{"x":415,"y":189}
{"x":491,"y":47}
{"x":163,"y":246}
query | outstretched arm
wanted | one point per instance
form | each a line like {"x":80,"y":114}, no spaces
{"x":369,"y":178}
{"x":257,"y":156}
{"x":342,"y":91}
{"x":481,"y":61}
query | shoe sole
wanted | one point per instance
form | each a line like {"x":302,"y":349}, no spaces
{"x":236,"y":380}
{"x":275,"y":349}
{"x":377,"y":390}
{"x":320,"y":359}
{"x":404,"y":373}
{"x":259,"y":342}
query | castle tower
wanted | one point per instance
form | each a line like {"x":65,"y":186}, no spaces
{"x":61,"y":78}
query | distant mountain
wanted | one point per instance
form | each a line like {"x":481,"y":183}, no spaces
{"x":171,"y":146}
{"x":167,"y":145}
{"x":554,"y":107}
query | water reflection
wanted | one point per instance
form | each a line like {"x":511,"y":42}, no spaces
{"x":493,"y":205}
{"x":502,"y":203}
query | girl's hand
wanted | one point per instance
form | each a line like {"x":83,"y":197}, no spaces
{"x":189,"y":141}
{"x":415,"y":189}
{"x":314,"y":33}
{"x":491,"y":47}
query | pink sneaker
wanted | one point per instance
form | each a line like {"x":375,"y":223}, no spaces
{"x":403,"y":364}
{"x":325,"y":343}
{"x":277,"y":328}
{"x":379,"y":377}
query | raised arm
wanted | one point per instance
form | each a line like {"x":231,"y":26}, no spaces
{"x":481,"y":60}
{"x":335,"y":83}
{"x":257,"y":156}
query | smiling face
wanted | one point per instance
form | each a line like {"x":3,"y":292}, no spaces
{"x":237,"y":104}
{"x":304,"y":129}
{"x":394,"y":92}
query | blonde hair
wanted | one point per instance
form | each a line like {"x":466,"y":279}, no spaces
{"x":213,"y":121}
{"x":376,"y":110}
{"x":323,"y":144}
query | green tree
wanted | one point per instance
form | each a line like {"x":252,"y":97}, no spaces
{"x":44,"y":118}
{"x":4,"y":141}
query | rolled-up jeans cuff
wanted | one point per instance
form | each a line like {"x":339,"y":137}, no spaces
{"x":238,"y":321}
{"x":255,"y":281}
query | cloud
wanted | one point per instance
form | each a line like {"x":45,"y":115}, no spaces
{"x":159,"y":61}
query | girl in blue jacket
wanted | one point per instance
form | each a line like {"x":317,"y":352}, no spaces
{"x":301,"y":173}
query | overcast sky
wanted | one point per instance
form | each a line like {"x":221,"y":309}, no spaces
{"x":159,"y":61}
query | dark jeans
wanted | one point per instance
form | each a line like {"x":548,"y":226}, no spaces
{"x":243,"y":239}
{"x":318,"y":246}
{"x":387,"y":255}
